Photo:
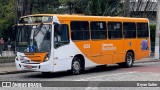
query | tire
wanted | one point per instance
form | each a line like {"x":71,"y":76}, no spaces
{"x":129,"y":60}
{"x":76,"y":66}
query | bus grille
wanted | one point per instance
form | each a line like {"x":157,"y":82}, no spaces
{"x":24,"y":59}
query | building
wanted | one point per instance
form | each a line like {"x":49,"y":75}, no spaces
{"x":144,"y":8}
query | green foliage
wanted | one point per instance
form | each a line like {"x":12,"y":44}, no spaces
{"x":98,"y":7}
{"x":7,"y":16}
{"x":152,"y":27}
{"x":152,"y":36}
{"x":152,"y":32}
{"x":8,"y":11}
{"x":104,"y":7}
{"x":43,"y":6}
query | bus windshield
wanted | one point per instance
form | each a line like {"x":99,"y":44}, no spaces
{"x":33,"y":38}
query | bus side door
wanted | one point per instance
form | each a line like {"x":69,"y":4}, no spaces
{"x":116,"y":41}
{"x":99,"y":51}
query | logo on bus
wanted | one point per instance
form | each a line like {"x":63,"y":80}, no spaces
{"x":108,"y":46}
{"x":144,"y":45}
{"x":86,"y":46}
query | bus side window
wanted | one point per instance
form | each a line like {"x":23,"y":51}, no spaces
{"x":129,"y":30}
{"x":64,"y":34}
{"x":61,"y":35}
{"x":98,"y":30}
{"x":142,"y":30}
{"x":114,"y":30}
{"x":80,"y":30}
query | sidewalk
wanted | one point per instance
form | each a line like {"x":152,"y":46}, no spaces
{"x":149,"y":59}
{"x":10,"y":68}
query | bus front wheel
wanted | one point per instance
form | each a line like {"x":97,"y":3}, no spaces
{"x":76,"y":66}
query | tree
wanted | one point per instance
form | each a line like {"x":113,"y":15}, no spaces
{"x":127,"y":8}
{"x":24,"y":7}
{"x":7,"y":15}
{"x":41,"y":6}
{"x":97,"y":7}
{"x":11,"y":10}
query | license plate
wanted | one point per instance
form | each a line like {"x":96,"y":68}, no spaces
{"x":28,"y":66}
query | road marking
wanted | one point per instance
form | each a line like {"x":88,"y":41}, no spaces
{"x":91,"y":88}
{"x":85,"y":79}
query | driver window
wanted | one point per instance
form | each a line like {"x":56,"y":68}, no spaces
{"x":61,"y":35}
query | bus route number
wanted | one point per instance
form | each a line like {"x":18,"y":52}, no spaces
{"x":86,"y":46}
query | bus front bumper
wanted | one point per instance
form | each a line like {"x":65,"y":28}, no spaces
{"x":42,"y":67}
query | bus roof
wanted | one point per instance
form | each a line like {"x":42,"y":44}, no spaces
{"x":91,"y":18}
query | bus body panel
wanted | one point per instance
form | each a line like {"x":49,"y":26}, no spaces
{"x":34,"y":66}
{"x":64,"y":55}
{"x":143,"y":48}
{"x":118,"y":53}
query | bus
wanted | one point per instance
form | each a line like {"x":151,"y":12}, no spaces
{"x":54,"y":42}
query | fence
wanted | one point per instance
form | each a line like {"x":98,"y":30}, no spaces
{"x":7,"y":53}
{"x":7,"y":50}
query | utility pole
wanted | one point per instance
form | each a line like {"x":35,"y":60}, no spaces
{"x":157,"y":31}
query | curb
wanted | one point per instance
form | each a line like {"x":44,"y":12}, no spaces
{"x":147,"y":60}
{"x":13,"y":72}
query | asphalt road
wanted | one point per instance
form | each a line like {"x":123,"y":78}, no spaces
{"x":147,"y":71}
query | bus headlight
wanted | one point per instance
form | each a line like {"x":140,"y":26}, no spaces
{"x":46,"y":58}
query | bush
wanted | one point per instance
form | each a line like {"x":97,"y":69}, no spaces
{"x":152,"y":36}
{"x":152,"y":32}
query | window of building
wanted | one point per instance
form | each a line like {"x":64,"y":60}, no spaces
{"x":98,"y":30}
{"x":129,"y":30}
{"x":80,"y":30}
{"x":114,"y":30}
{"x":142,"y":30}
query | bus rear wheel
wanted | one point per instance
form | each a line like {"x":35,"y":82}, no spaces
{"x":76,"y":66}
{"x":129,"y":60}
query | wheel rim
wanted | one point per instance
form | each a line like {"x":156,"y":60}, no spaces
{"x":129,"y":60}
{"x":76,"y":66}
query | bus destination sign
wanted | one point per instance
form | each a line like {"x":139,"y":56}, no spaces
{"x":36,"y":19}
